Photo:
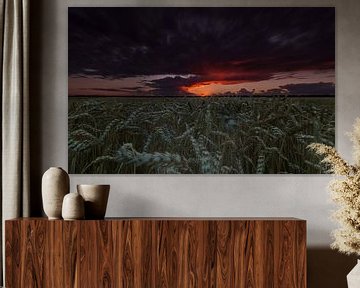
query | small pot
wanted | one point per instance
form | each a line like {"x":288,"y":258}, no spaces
{"x":73,"y":207}
{"x":96,"y":198}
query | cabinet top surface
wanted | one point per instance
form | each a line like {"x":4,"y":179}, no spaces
{"x":174,"y":219}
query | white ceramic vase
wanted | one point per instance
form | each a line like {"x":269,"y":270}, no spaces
{"x":353,"y":278}
{"x":96,"y":198}
{"x":55,"y":185}
{"x":73,"y":207}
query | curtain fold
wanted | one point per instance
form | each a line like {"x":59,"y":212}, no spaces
{"x":15,"y":172}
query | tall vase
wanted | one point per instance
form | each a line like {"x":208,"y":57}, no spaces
{"x":55,"y":185}
{"x":353,"y":278}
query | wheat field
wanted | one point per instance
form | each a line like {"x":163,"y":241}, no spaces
{"x":198,"y":135}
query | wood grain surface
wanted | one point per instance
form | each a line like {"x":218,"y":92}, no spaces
{"x":157,"y":253}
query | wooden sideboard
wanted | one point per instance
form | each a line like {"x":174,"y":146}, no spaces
{"x":156,"y":252}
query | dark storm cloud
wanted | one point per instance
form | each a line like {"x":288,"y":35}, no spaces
{"x":112,"y":89}
{"x":245,"y":42}
{"x":310,"y":89}
{"x":245,"y":92}
{"x":275,"y":91}
{"x":172,"y":85}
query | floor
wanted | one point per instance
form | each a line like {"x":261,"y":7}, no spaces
{"x":328,"y":268}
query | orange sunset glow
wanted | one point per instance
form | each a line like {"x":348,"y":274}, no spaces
{"x":205,"y":89}
{"x":200,"y":89}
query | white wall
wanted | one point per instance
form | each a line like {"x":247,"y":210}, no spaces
{"x":244,"y":195}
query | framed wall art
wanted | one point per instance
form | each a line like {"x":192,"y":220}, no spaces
{"x":200,"y":90}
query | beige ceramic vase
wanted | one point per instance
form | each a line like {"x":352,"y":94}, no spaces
{"x":353,"y":278}
{"x":55,"y":185}
{"x":96,"y":198}
{"x":73,"y":207}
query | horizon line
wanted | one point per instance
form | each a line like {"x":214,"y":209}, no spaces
{"x":198,"y":96}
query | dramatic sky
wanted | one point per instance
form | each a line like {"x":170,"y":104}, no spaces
{"x":201,"y":51}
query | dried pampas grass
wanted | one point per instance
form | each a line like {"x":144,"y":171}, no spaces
{"x":345,"y":192}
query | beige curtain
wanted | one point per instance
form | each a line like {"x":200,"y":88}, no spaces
{"x":14,"y":30}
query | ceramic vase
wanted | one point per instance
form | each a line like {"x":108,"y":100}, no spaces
{"x":353,"y":278}
{"x":55,"y":185}
{"x":96,"y":198}
{"x":73,"y":207}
